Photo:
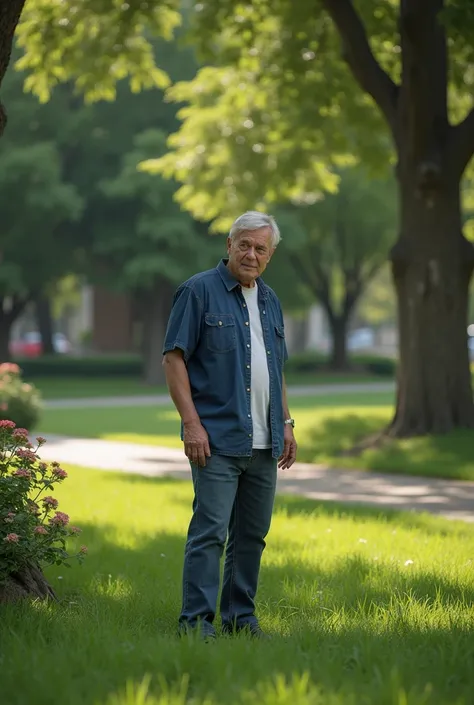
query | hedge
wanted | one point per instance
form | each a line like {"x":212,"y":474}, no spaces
{"x":69,"y":366}
{"x":132,"y":365}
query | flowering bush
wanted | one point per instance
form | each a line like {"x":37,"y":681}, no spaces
{"x":32,"y":531}
{"x":19,"y":402}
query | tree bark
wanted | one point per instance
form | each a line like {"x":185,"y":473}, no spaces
{"x":28,"y":582}
{"x":7,"y":318}
{"x":339,"y":359}
{"x":432,"y":264}
{"x":45,"y":323}
{"x":10,"y":11}
{"x":155,"y":307}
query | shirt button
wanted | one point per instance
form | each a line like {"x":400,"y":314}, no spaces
{"x":248,"y":345}
{"x":248,"y":389}
{"x":220,"y":323}
{"x":244,"y":305}
{"x":250,"y":435}
{"x":263,"y":311}
{"x":249,"y":415}
{"x":268,"y":352}
{"x":248,"y":367}
{"x":246,"y":323}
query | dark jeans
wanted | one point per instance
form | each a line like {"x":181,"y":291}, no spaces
{"x":234,"y":495}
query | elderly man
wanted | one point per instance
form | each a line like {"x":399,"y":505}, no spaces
{"x":224,"y":353}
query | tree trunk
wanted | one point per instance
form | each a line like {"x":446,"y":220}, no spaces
{"x":9,"y":312}
{"x":45,"y":323}
{"x":10,"y":11}
{"x":28,"y":582}
{"x":155,"y":307}
{"x":5,"y":330}
{"x":432,"y":264}
{"x":339,"y":360}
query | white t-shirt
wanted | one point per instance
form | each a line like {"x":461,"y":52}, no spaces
{"x":260,"y":378}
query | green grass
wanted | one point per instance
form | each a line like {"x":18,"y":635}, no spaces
{"x":363,"y":607}
{"x":325,"y":426}
{"x":77,"y":388}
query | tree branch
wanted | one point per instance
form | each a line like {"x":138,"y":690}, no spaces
{"x":361,"y":60}
{"x":10,"y":11}
{"x":461,"y":145}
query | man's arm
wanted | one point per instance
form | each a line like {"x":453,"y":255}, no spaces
{"x":196,"y":441}
{"x":288,"y":456}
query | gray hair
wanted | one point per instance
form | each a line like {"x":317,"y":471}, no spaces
{"x":252,"y":220}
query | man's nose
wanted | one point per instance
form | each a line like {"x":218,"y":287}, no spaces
{"x":251,"y":254}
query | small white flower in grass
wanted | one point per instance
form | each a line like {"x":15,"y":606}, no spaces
{"x":60,"y":577}
{"x":328,"y":531}
{"x":163,"y":555}
{"x":362,"y":540}
{"x":376,"y":558}
{"x":409,"y":562}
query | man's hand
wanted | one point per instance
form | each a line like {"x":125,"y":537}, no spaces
{"x":196,"y":443}
{"x":288,"y":456}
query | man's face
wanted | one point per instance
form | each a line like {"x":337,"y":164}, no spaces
{"x":249,"y":253}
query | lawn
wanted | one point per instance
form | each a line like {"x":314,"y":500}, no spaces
{"x":325,"y":426}
{"x":77,"y":388}
{"x":363,"y":607}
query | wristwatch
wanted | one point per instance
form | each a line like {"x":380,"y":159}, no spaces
{"x":290,"y":422}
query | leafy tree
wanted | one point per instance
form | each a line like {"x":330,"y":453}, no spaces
{"x":36,"y":207}
{"x":281,"y":105}
{"x":337,"y":245}
{"x":96,"y":42}
{"x":149,"y":245}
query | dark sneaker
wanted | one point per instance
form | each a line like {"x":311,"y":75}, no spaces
{"x":204,"y":631}
{"x":253,"y":630}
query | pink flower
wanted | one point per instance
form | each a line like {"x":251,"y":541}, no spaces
{"x":12,"y":538}
{"x":60,"y":519}
{"x":9,"y":518}
{"x":40,"y":530}
{"x":33,"y":507}
{"x":20,"y":434}
{"x":40,"y":440}
{"x":43,"y":467}
{"x":26,"y":387}
{"x":59,"y":473}
{"x":22,"y":473}
{"x":5,"y":423}
{"x":75,"y":530}
{"x":50,"y":502}
{"x":9,"y":368}
{"x":83,"y":549}
{"x":27,"y":455}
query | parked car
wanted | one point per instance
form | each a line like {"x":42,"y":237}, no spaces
{"x":30,"y":345}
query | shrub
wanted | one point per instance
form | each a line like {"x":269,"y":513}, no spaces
{"x":19,"y":402}
{"x":32,"y":531}
{"x":313,"y":362}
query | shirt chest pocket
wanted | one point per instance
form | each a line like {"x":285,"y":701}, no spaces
{"x":220,"y":332}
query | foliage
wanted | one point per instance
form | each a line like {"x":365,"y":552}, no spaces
{"x":279,"y":106}
{"x":167,"y":243}
{"x":95,"y":42}
{"x":19,"y":402}
{"x":312,"y":362}
{"x":29,"y":531}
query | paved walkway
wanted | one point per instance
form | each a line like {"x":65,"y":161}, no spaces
{"x":162,"y":399}
{"x":452,"y":499}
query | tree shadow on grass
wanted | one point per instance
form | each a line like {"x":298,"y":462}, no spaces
{"x":116,"y":621}
{"x":444,"y":456}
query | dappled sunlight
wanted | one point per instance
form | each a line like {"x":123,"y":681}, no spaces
{"x":343,"y":591}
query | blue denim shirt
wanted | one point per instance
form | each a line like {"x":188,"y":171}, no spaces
{"x":209,"y":322}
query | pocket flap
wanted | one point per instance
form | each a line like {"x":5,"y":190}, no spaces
{"x":219,"y":319}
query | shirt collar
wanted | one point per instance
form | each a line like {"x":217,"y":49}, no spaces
{"x":231,"y":282}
